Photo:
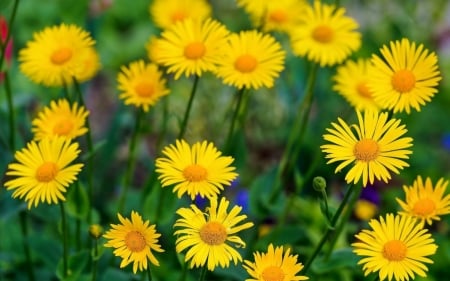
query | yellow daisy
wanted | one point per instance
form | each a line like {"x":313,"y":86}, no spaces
{"x":134,"y":241}
{"x":405,"y":77}
{"x":167,"y":12}
{"x":91,"y":65}
{"x":424,"y":201}
{"x":209,"y":235}
{"x":141,"y":84}
{"x":351,"y":82}
{"x":274,"y":265}
{"x":60,"y":119}
{"x":255,"y":8}
{"x":43,"y":171}
{"x":58,"y":54}
{"x":252,"y":60}
{"x":397,"y":247}
{"x":376,"y":150}
{"x":197,"y":170}
{"x":365,"y":210}
{"x":191,"y":47}
{"x":326,"y":35}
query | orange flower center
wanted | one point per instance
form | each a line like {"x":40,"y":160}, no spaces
{"x":144,"y":89}
{"x":394,"y":250}
{"x":403,"y":81}
{"x":46,"y":172}
{"x":273,"y":273}
{"x":213,"y":233}
{"x":63,"y":127}
{"x":363,"y":90}
{"x":135,"y":241}
{"x":366,"y":150}
{"x":194,"y":50}
{"x":195,"y":173}
{"x":245,"y":63}
{"x":278,"y":16}
{"x":322,"y":34}
{"x":424,"y":207}
{"x":178,"y":15}
{"x":61,"y":55}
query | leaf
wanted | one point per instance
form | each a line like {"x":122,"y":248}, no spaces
{"x":77,"y":201}
{"x":341,"y":258}
{"x":115,"y":274}
{"x":75,"y":266}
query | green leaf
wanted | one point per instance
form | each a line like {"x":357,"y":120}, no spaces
{"x":76,"y":264}
{"x":77,"y":201}
{"x":160,"y":204}
{"x":341,"y":258}
{"x":115,"y":274}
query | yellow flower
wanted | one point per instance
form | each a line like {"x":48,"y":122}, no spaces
{"x":326,"y":35}
{"x":377,"y":149}
{"x":365,"y":210}
{"x":351,"y":82}
{"x":255,"y":8}
{"x":60,"y":119}
{"x":405,"y":77}
{"x":167,"y":12}
{"x":58,"y":54}
{"x":424,"y":201}
{"x":134,"y":241}
{"x":141,"y":84}
{"x":191,"y":47}
{"x":208,"y":236}
{"x":95,"y":230}
{"x":251,"y":60}
{"x":43,"y":171}
{"x":397,"y":247}
{"x":274,"y":265}
{"x":197,"y":170}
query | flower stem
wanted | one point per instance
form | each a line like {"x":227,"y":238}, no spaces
{"x":330,"y":229}
{"x":237,"y":111}
{"x":131,"y":160}
{"x":149,"y":273}
{"x":64,"y":237}
{"x":296,"y":134}
{"x":95,"y":260}
{"x":202,"y":274}
{"x":4,"y":44}
{"x":188,"y":108}
{"x":26,"y":247}
{"x":12,"y":127}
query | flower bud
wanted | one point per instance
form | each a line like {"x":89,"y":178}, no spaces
{"x":319,"y":184}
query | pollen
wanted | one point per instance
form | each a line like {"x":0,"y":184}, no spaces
{"x":363,"y":90}
{"x":46,"y":172}
{"x":135,"y":241}
{"x":61,"y":56}
{"x":63,"y":127}
{"x":424,"y":207}
{"x":245,"y":63}
{"x":195,"y":173}
{"x":403,"y":81}
{"x":213,"y":233}
{"x":194,"y":50}
{"x":394,"y":250}
{"x":366,"y":150}
{"x":273,"y":273}
{"x":323,"y":34}
{"x":278,"y":16}
{"x":144,"y":89}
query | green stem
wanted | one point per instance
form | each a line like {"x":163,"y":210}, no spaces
{"x":188,"y":108}
{"x":26,"y":246}
{"x":12,"y":127}
{"x":237,"y":110}
{"x":296,"y":134}
{"x":149,"y":273}
{"x":4,"y":45}
{"x":184,"y":272}
{"x":202,"y":274}
{"x":64,"y":237}
{"x":95,"y":260}
{"x":131,"y":160}
{"x":329,"y":230}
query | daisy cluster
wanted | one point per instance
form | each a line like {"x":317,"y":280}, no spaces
{"x":208,"y":230}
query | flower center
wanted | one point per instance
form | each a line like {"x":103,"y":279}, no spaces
{"x":278,"y":16}
{"x":273,"y":273}
{"x":424,"y":207}
{"x":394,"y":250}
{"x":366,"y":150}
{"x":213,"y":233}
{"x":403,"y":81}
{"x":245,"y":63}
{"x":194,"y":50}
{"x":61,"y":55}
{"x":135,"y":241}
{"x":363,"y":90}
{"x":323,"y":34}
{"x":195,"y":173}
{"x":46,"y":172}
{"x":63,"y":127}
{"x":144,"y":89}
{"x":178,"y":15}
